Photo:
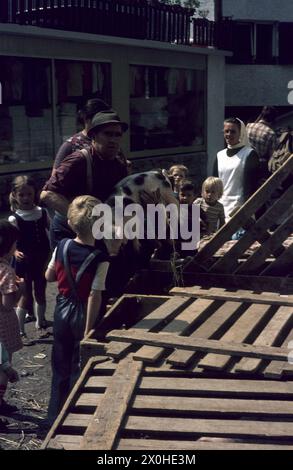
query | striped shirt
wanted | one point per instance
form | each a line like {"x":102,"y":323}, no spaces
{"x":215,"y":216}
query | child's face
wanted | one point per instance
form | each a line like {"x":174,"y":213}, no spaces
{"x":25,"y":197}
{"x":210,"y":195}
{"x":186,"y":197}
{"x":178,"y":175}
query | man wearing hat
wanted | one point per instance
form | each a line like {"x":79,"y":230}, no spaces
{"x":95,"y":171}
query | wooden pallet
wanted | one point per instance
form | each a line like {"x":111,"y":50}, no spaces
{"x":213,"y":321}
{"x":127,"y":406}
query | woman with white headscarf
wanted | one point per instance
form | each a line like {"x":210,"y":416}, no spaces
{"x":237,"y":166}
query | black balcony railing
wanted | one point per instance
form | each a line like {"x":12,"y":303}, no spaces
{"x":212,"y":34}
{"x":137,"y":19}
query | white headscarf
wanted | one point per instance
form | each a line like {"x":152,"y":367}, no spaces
{"x":243,"y":139}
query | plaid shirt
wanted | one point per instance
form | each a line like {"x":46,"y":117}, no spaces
{"x":262,"y":138}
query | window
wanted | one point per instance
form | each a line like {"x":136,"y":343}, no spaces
{"x":26,"y":110}
{"x":167,"y":107}
{"x":77,"y":81}
{"x":285,"y":41}
{"x":255,"y":43}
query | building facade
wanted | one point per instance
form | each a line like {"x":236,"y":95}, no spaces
{"x":261,"y":68}
{"x":172,"y":95}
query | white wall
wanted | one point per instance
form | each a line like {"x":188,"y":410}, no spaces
{"x":258,"y":85}
{"x":267,"y":10}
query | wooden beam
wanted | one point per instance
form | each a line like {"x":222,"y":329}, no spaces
{"x":205,"y":345}
{"x":163,"y":313}
{"x":106,"y":422}
{"x":267,"y":337}
{"x":160,"y":444}
{"x":179,"y":325}
{"x":215,"y":324}
{"x":247,"y":282}
{"x":239,"y":332}
{"x":238,"y":295}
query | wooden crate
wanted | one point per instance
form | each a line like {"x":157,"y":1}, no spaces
{"x":258,"y":321}
{"x":128,"y":406}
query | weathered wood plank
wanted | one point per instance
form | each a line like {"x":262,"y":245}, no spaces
{"x":236,"y":281}
{"x":257,"y":259}
{"x":69,"y":402}
{"x":238,"y":333}
{"x":276,"y":369}
{"x":178,"y":325}
{"x":267,"y":337}
{"x":218,"y":293}
{"x":68,"y":442}
{"x":229,"y":262}
{"x":247,"y":210}
{"x":151,"y":444}
{"x":283,"y":264}
{"x":89,"y":400}
{"x":203,"y":405}
{"x":214,"y":324}
{"x":105,"y":424}
{"x":182,"y":426}
{"x":205,"y":387}
{"x":196,"y":344}
{"x":158,"y":316}
{"x":206,"y":427}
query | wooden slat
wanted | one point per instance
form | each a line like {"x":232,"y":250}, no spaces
{"x":158,"y":316}
{"x":209,"y":328}
{"x":246,"y":211}
{"x":257,"y":259}
{"x":236,"y":281}
{"x":238,"y":333}
{"x":213,"y":427}
{"x":188,"y":386}
{"x":229,"y":261}
{"x":178,"y":325}
{"x":197,"y":344}
{"x":89,"y":400}
{"x":68,"y":442}
{"x":283,"y":264}
{"x":267,"y":337}
{"x":276,"y":369}
{"x":106,"y":422}
{"x":201,"y":405}
{"x":240,"y":295}
{"x":151,"y":444}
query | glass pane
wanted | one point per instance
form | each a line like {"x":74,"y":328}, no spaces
{"x":167,"y":107}
{"x":26,"y":110}
{"x":264,"y":43}
{"x":76,"y":82}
